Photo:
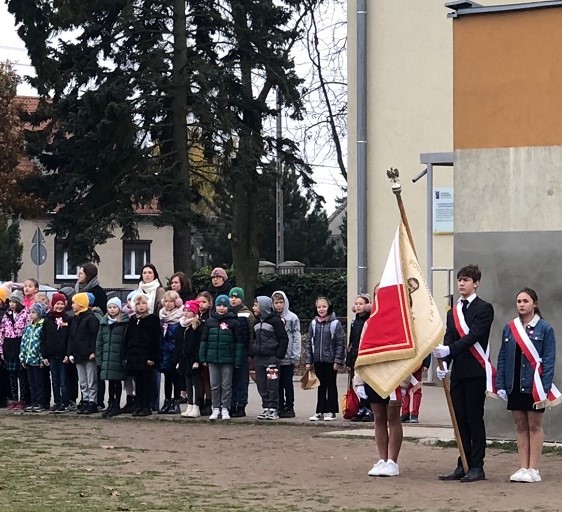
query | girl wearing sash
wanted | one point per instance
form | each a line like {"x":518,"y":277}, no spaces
{"x":524,"y":379}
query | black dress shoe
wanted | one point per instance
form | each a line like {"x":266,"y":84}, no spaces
{"x":457,"y":474}
{"x":473,"y":475}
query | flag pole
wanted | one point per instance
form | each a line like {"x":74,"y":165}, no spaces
{"x":393,"y":174}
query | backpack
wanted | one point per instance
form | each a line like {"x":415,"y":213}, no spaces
{"x":332,"y":329}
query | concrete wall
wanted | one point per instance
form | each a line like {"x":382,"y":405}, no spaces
{"x":511,"y":261}
{"x":111,"y":254}
{"x":508,"y":149}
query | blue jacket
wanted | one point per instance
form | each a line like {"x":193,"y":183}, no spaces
{"x":542,"y":336}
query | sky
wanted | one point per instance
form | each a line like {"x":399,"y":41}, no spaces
{"x":326,"y":174}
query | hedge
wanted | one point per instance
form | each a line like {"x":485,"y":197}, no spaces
{"x":301,"y":289}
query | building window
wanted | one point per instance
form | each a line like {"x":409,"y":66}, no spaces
{"x":63,"y":271}
{"x":135,"y":255}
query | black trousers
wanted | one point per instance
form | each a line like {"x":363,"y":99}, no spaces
{"x":143,"y":387}
{"x":327,"y":400}
{"x":286,"y":388}
{"x":172,"y":382}
{"x":115,"y":390}
{"x":468,"y":397}
{"x":36,"y":376}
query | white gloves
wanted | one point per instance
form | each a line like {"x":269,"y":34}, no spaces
{"x":441,"y":351}
{"x":502,"y":394}
{"x":442,"y":373}
{"x":360,"y":390}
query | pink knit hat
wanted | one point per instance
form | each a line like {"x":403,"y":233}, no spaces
{"x":191,"y":305}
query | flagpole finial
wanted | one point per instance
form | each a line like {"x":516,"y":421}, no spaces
{"x":393,"y":175}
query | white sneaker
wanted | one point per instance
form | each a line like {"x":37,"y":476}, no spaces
{"x":317,"y":417}
{"x":216,"y":414}
{"x":518,"y":475}
{"x":263,"y":415}
{"x":187,"y":412}
{"x":377,"y":468}
{"x":534,"y":474}
{"x":195,"y":412}
{"x":331,"y":416}
{"x":390,"y":469}
{"x":272,"y":414}
{"x":225,"y":414}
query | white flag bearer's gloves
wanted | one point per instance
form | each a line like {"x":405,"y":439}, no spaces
{"x":360,"y":390}
{"x":502,"y":394}
{"x":441,"y":351}
{"x":442,"y":373}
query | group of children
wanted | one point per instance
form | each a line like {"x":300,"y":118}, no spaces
{"x":213,"y":346}
{"x":207,"y":348}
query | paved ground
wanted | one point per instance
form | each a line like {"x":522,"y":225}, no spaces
{"x":435,"y":422}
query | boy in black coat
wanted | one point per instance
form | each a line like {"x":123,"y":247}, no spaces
{"x":268,"y":348}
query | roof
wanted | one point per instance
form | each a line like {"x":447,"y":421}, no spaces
{"x":466,"y":7}
{"x":28,"y":103}
{"x":338,"y":211}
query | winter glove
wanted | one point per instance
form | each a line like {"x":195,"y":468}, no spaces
{"x":360,"y":390}
{"x":441,"y":351}
{"x":442,"y":373}
{"x":502,"y":394}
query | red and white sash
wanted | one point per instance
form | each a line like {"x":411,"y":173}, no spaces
{"x":481,"y":355}
{"x":542,"y":399}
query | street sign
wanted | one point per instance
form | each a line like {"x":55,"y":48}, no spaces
{"x":38,"y":250}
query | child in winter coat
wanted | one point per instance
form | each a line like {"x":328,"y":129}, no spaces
{"x":325,"y":351}
{"x":4,"y":379}
{"x":292,"y":357}
{"x":205,"y":307}
{"x":12,"y":326}
{"x":221,"y":348}
{"x":31,"y":359}
{"x":170,"y":316}
{"x":362,"y":310}
{"x":142,"y":347}
{"x":82,"y":351}
{"x":110,"y":355}
{"x":188,"y":341}
{"x":129,"y":384}
{"x":54,"y":350}
{"x":268,"y":349}
{"x":241,"y":376}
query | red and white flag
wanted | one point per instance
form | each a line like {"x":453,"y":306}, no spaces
{"x":404,"y":325}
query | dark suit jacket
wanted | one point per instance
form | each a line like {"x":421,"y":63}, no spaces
{"x":479,"y":317}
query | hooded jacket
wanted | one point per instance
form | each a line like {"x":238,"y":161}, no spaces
{"x":293,"y":328}
{"x":270,"y":336}
{"x":321,"y":346}
{"x":83,"y":335}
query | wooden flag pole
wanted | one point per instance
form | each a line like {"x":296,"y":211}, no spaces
{"x":393,"y":175}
